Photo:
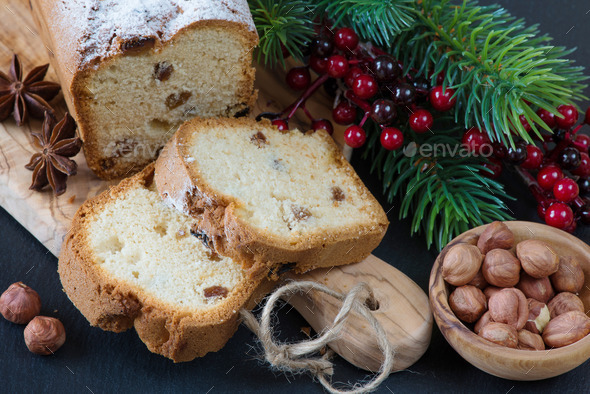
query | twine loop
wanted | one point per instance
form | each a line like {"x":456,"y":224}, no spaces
{"x":298,"y":357}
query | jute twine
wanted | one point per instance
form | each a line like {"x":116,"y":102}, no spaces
{"x":298,"y":357}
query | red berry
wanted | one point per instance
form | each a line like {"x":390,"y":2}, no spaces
{"x":583,"y":140}
{"x":442,"y":101}
{"x":548,"y":176}
{"x":547,"y":117}
{"x":559,"y":215}
{"x":495,"y":166}
{"x":500,"y":150}
{"x":566,"y":190}
{"x":583,"y":169}
{"x":534,"y":158}
{"x":318,"y":64}
{"x":337,"y":66}
{"x":392,"y":138}
{"x":570,"y":116}
{"x":543,"y":205}
{"x":355,"y":136}
{"x":298,"y":78}
{"x":344,"y":113}
{"x":281,"y":124}
{"x":351,"y":75}
{"x":364,"y":86}
{"x":587,"y":118}
{"x":525,"y":123}
{"x":322,"y":124}
{"x":421,"y":121}
{"x":346,"y":39}
{"x":474,"y":139}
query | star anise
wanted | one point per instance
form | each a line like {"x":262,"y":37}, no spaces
{"x":25,"y":97}
{"x":52,"y":165}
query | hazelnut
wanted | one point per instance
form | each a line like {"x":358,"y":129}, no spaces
{"x":44,"y":335}
{"x":569,"y":276}
{"x":479,"y":281}
{"x":482,"y":322}
{"x":529,"y":341}
{"x":566,"y":329}
{"x":19,"y":303}
{"x":500,"y":333}
{"x":538,"y":316}
{"x":537,"y":258}
{"x":468,"y":303}
{"x":490,"y":291}
{"x":509,"y":306}
{"x":496,"y":235}
{"x":565,"y":302}
{"x":501,"y":268}
{"x":539,"y":289}
{"x":461,"y":264}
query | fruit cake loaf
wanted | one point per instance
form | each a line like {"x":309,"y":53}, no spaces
{"x":133,"y":71}
{"x":267,"y":197}
{"x":130,"y":261}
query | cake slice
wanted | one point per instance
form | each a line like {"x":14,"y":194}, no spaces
{"x":133,"y":71}
{"x":268,"y":198}
{"x":129,"y":261}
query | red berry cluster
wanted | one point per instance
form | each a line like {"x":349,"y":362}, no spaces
{"x":366,"y":80}
{"x":561,"y":162}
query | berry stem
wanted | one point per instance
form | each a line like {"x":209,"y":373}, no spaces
{"x":532,"y":184}
{"x":308,"y":92}
{"x":362,"y":104}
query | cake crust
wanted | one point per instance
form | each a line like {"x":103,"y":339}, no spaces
{"x":179,"y":182}
{"x":82,"y":41}
{"x":116,"y":305}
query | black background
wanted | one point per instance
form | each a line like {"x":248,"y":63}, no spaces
{"x":98,"y":362}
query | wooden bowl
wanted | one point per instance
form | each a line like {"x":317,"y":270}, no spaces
{"x":498,"y":360}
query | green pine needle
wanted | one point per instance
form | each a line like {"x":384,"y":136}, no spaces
{"x":377,"y":21}
{"x":287,"y":23}
{"x":445,"y":195}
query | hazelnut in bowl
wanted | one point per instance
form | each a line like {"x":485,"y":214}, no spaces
{"x":515,"y":309}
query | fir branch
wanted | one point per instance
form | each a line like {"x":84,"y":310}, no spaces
{"x":377,"y":21}
{"x":445,"y":195}
{"x":494,"y":62}
{"x":282,"y":23}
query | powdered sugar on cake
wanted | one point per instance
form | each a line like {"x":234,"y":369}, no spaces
{"x":104,"y":25}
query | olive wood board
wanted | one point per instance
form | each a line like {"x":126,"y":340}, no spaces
{"x":48,"y":217}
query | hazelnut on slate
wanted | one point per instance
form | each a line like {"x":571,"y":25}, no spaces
{"x":565,"y":302}
{"x":539,"y":289}
{"x":496,"y":235}
{"x":501,"y":268}
{"x":509,"y":306}
{"x":566,"y":329}
{"x":44,"y":335}
{"x":538,"y":318}
{"x":461,"y":264}
{"x":537,"y":258}
{"x":468,"y":303}
{"x":501,"y":334}
{"x":569,"y":275}
{"x":19,"y":303}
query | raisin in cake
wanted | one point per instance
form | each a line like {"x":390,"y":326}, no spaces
{"x":267,"y":197}
{"x":130,"y":261}
{"x":133,"y":71}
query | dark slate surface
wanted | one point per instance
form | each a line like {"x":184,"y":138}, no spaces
{"x":99,"y":362}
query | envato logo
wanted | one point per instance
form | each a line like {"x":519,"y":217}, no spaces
{"x":447,"y":150}
{"x":128,"y":148}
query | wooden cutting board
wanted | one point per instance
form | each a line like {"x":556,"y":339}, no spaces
{"x":48,"y":217}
